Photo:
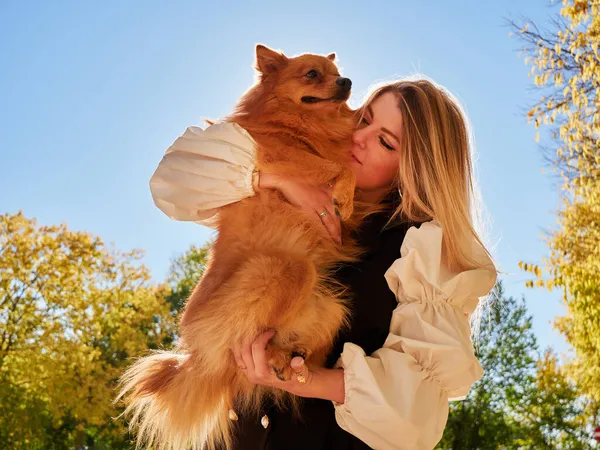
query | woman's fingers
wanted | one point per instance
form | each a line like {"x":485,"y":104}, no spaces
{"x":317,"y":198}
{"x":246,"y":356}
{"x":297,"y":365}
{"x":251,"y":357}
{"x":237,"y":355}
{"x":331,"y":221}
{"x":259,"y":354}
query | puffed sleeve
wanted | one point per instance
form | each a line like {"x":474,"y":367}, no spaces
{"x":397,"y":398}
{"x":204,"y":170}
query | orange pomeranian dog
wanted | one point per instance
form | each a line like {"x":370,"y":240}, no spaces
{"x":270,"y":265}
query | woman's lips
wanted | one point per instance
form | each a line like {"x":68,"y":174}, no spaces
{"x":355,"y":158}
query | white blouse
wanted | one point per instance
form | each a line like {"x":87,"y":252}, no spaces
{"x":204,"y":170}
{"x":396,"y":398}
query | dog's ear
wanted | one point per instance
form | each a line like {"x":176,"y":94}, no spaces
{"x":268,"y":61}
{"x":331,"y":57}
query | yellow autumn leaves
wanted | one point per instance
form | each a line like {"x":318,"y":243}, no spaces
{"x":71,"y":315}
{"x":566,"y":64}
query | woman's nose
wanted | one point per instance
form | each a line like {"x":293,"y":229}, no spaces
{"x":359,"y":138}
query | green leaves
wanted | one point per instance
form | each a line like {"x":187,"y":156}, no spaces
{"x":185,"y":272}
{"x":524,"y":400}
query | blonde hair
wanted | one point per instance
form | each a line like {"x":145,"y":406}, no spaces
{"x":435,"y":176}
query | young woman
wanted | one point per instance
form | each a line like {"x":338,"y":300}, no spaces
{"x":408,"y":351}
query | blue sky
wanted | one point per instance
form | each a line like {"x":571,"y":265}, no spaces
{"x":94,"y":92}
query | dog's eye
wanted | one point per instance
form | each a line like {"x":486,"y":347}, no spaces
{"x":311,"y":74}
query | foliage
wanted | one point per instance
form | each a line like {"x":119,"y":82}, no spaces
{"x":523,"y":401}
{"x":565,"y":64}
{"x":71,"y":315}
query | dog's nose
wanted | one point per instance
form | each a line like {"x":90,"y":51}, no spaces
{"x":345,"y":83}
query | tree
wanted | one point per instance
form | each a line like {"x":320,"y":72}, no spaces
{"x":522,"y":401}
{"x":558,"y":416}
{"x":184,"y":274}
{"x":565,"y":64}
{"x":71,"y":314}
{"x":506,"y":350}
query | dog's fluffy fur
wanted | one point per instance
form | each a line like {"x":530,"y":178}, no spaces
{"x":270,"y":266}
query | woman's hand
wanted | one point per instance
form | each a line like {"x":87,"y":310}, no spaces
{"x":318,"y":200}
{"x":251,"y":358}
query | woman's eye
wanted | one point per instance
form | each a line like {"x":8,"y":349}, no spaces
{"x":364,"y":121}
{"x":311,"y":74}
{"x":385,"y":144}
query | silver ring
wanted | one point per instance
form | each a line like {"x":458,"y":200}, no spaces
{"x":324,"y":212}
{"x":329,"y":184}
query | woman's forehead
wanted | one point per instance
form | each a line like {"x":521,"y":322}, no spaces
{"x":386,"y":111}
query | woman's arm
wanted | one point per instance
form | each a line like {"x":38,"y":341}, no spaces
{"x":397,"y":398}
{"x":204,"y":170}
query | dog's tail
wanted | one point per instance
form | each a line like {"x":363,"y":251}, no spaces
{"x":172,"y":407}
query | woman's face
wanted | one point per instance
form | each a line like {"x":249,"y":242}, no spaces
{"x":375,"y":155}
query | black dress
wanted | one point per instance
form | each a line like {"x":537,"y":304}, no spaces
{"x":372,"y":304}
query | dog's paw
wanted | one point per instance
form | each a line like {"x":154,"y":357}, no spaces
{"x":279,"y":362}
{"x":345,"y":208}
{"x":280,"y":359}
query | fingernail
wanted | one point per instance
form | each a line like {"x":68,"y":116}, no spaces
{"x":297,"y":361}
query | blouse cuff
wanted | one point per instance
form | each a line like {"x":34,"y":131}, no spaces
{"x":252,"y":180}
{"x":366,"y":412}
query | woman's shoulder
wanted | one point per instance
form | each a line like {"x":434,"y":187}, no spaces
{"x":223,"y":133}
{"x":422,"y":268}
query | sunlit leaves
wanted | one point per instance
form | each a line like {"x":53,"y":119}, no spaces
{"x":566,"y":67}
{"x":71,"y":314}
